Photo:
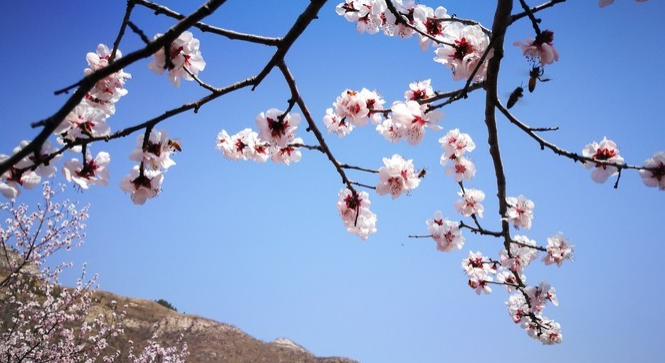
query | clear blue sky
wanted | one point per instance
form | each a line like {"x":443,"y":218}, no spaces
{"x":262,"y":246}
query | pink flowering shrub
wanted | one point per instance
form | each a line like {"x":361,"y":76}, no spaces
{"x":42,"y":321}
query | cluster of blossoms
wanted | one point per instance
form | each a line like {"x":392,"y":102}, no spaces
{"x":353,"y":207}
{"x":42,"y":321}
{"x":479,"y":269}
{"x":522,"y":252}
{"x":153,"y":153}
{"x":275,"y":140}
{"x":405,"y":120}
{"x":184,"y":59}
{"x":559,"y":249}
{"x":455,"y":145}
{"x":351,"y":109}
{"x":458,"y":46}
{"x":529,"y":314}
{"x":520,"y":211}
{"x":397,"y":176}
{"x":88,"y":120}
{"x":527,"y":304}
{"x":23,"y":175}
{"x":447,"y":234}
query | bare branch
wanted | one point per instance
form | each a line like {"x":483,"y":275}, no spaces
{"x":347,"y":166}
{"x":121,"y":32}
{"x":295,"y":94}
{"x":159,"y":9}
{"x":557,"y":150}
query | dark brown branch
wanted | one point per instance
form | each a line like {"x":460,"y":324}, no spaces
{"x":399,"y":18}
{"x":295,"y":94}
{"x":535,"y":9}
{"x":452,"y":96}
{"x":557,"y":150}
{"x":200,"y":82}
{"x":159,"y":9}
{"x":121,"y":32}
{"x":347,"y":166}
{"x":85,"y":85}
{"x":139,"y":32}
{"x":480,"y":230}
{"x":186,"y":107}
{"x":309,"y":147}
{"x":534,"y":21}
{"x":501,"y":22}
{"x":296,"y":30}
{"x":539,"y":248}
{"x":363,"y":185}
{"x":544,"y":129}
{"x":466,"y":22}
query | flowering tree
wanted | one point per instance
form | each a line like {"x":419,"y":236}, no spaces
{"x":40,"y":321}
{"x":471,"y":51}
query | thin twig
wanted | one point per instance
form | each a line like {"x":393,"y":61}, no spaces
{"x":557,"y":150}
{"x":347,"y":166}
{"x":159,"y":9}
{"x":121,"y":32}
{"x":295,"y":94}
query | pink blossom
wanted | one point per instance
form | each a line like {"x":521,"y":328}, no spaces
{"x":522,"y":252}
{"x":83,"y":122}
{"x":184,"y":55}
{"x":391,"y":131}
{"x":337,"y":124}
{"x":605,"y":151}
{"x":353,"y":207}
{"x":479,"y":270}
{"x":414,"y":119}
{"x":277,"y":127}
{"x":455,"y":144}
{"x":29,"y":171}
{"x":418,"y":91}
{"x":428,"y":21}
{"x":391,"y":27}
{"x":470,"y":204}
{"x":92,"y":172}
{"x":157,"y":151}
{"x":467,"y":45}
{"x":107,"y":91}
{"x":397,"y":176}
{"x":654,"y":175}
{"x":508,"y":279}
{"x":142,"y":185}
{"x":540,"y":49}
{"x":559,"y":249}
{"x":367,"y":14}
{"x":242,"y":146}
{"x":447,"y":234}
{"x":520,"y":211}
{"x":287,"y":154}
{"x":461,"y":169}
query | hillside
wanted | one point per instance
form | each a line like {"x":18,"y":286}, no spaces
{"x":208,"y":341}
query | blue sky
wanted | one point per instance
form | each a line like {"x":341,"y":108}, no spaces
{"x":262,"y":246}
